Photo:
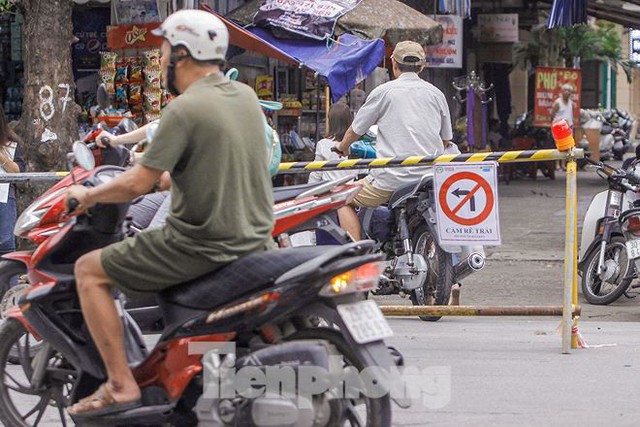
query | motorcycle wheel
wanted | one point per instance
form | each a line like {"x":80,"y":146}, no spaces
{"x":436,"y":289}
{"x":377,"y":411}
{"x":12,"y":282}
{"x":11,"y":274}
{"x":599,"y":292}
{"x":21,"y":403}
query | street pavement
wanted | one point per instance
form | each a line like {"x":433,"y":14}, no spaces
{"x":510,"y":371}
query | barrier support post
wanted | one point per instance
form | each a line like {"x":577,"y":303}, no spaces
{"x":569,"y":340}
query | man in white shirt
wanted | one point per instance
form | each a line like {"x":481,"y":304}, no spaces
{"x":563,"y":106}
{"x":413,"y":120}
{"x":563,"y":109}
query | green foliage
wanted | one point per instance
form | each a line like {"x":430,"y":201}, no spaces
{"x":543,"y":49}
{"x":569,"y":46}
{"x":7,"y":6}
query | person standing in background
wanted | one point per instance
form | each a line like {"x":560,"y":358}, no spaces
{"x":340,"y":119}
{"x":563,"y":109}
{"x":11,"y":161}
{"x":563,"y":106}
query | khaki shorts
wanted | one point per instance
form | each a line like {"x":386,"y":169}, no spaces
{"x":152,"y":262}
{"x":370,"y":196}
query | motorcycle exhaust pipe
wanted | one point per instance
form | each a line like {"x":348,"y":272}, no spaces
{"x":474,"y":263}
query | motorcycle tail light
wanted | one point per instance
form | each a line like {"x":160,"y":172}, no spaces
{"x":632,"y":225}
{"x":360,"y":279}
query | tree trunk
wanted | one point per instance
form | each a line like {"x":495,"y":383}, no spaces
{"x":48,"y":124}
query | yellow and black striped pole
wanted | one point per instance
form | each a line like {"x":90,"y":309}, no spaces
{"x":6,"y":178}
{"x":396,"y":162}
{"x":347,"y":164}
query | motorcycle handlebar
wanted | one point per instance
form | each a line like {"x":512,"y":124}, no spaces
{"x":72,"y":205}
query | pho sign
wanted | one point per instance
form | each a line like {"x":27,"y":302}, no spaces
{"x":549,"y":82}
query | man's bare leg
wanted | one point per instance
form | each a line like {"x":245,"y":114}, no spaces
{"x":103,"y":321}
{"x":350,"y":222}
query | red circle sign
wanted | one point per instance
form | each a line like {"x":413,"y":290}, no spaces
{"x":481,"y":183}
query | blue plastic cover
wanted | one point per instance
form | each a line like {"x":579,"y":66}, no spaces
{"x":343,"y":63}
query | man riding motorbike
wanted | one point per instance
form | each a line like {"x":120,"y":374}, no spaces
{"x":412,"y":117}
{"x":221,"y":195}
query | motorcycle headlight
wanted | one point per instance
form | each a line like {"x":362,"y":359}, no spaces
{"x":31,"y":216}
{"x":28,"y":220}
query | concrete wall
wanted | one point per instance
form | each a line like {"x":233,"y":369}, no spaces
{"x":518,"y":80}
{"x":628,"y":94}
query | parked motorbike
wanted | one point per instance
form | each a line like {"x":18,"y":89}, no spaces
{"x":607,"y":142}
{"x":609,"y":246}
{"x":614,"y":134}
{"x":621,"y":143}
{"x":261,"y":302}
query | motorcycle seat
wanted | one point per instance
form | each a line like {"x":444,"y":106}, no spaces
{"x":280,"y":194}
{"x":246,"y":275}
{"x":406,"y":191}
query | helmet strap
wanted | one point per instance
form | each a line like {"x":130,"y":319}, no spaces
{"x":171,"y":72}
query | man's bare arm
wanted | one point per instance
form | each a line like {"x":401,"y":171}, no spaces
{"x":349,"y":137}
{"x":134,"y":182}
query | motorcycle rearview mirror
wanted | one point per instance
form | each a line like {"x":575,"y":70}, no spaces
{"x":83,"y":155}
{"x":232,"y":74}
{"x":102,"y":96}
{"x":151,"y":130}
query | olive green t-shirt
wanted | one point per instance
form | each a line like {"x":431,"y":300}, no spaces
{"x":211,"y":139}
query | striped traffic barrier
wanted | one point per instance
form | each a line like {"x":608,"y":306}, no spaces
{"x":397,"y":162}
{"x":10,"y":178}
{"x":386,"y":162}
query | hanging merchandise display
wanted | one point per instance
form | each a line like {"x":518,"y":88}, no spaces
{"x":131,"y":73}
{"x":455,"y":7}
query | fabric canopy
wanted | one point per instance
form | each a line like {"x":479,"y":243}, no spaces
{"x":240,"y":37}
{"x":343,"y":63}
{"x":391,"y":20}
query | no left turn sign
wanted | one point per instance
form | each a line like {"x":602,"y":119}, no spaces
{"x":467,"y":203}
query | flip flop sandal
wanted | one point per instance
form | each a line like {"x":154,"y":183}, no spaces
{"x":101,"y":403}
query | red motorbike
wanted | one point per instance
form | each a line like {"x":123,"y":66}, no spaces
{"x":261,"y":304}
{"x":297,"y":208}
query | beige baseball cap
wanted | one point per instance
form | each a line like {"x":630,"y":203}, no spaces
{"x":409,"y":53}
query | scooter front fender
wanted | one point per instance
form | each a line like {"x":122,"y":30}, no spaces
{"x":595,"y":212}
{"x":15,"y":313}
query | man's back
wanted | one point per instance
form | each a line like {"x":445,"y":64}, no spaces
{"x":213,"y":145}
{"x":413,"y":119}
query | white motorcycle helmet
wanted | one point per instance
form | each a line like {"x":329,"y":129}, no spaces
{"x":201,"y":33}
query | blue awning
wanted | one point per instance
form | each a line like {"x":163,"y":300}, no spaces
{"x":343,"y":63}
{"x":565,"y":13}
